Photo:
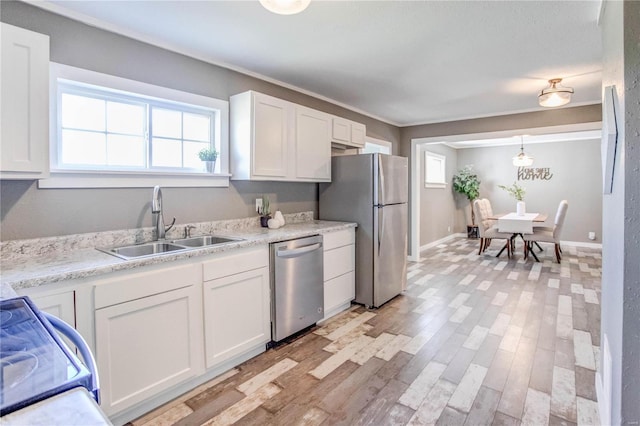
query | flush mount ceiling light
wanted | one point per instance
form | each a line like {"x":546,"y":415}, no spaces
{"x":555,"y":95}
{"x":522,"y":159}
{"x":285,"y":7}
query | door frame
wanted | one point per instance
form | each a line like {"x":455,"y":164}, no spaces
{"x":415,"y":165}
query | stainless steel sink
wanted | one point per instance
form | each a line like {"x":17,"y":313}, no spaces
{"x":141,"y":250}
{"x":204,"y":240}
{"x":157,"y":248}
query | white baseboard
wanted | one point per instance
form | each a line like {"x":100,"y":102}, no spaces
{"x":441,"y":241}
{"x":582,"y":244}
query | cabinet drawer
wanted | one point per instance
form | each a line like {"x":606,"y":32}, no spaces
{"x":338,"y":291}
{"x":135,"y":286}
{"x":336,"y":239}
{"x":338,"y":261}
{"x":235,"y":262}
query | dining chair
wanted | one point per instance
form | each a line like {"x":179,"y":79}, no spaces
{"x":486,"y":230}
{"x":548,"y":235}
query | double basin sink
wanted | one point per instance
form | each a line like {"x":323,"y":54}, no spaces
{"x":156,"y":248}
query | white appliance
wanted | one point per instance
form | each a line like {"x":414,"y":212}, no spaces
{"x":372,"y":190}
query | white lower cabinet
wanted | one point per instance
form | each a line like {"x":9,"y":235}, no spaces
{"x":61,"y":305}
{"x":148,"y":329}
{"x":236,"y":305}
{"x":339,"y":271}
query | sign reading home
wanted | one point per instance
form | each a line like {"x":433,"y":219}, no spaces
{"x":534,"y":173}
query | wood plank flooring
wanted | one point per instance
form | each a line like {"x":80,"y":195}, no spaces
{"x":474,"y":340}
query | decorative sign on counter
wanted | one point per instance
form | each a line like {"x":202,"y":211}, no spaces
{"x":533,"y":173}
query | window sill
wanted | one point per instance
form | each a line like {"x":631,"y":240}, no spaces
{"x":435,"y":185}
{"x":68,"y":179}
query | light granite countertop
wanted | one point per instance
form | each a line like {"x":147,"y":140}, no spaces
{"x":50,"y":260}
{"x":39,"y":262}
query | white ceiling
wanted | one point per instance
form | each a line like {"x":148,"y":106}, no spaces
{"x":405,"y":62}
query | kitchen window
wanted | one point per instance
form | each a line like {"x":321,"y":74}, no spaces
{"x":112,"y":132}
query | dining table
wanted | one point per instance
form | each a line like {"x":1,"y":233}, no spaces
{"x":519,"y":224}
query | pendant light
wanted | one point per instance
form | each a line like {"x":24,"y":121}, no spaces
{"x":285,"y":7}
{"x":522,"y":159}
{"x":555,"y":95}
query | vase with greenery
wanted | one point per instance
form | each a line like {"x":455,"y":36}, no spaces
{"x":517,"y":192}
{"x":209,"y":156}
{"x":467,"y":183}
{"x":265,"y":212}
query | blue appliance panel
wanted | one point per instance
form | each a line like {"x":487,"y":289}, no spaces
{"x":34,"y":363}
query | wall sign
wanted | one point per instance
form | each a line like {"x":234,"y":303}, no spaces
{"x":534,"y":173}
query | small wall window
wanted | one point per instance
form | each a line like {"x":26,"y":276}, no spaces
{"x":112,"y":132}
{"x":434,"y":170}
{"x":372,"y":145}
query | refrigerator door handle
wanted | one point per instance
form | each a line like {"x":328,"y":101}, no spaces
{"x":381,"y":195}
{"x":380,"y":226}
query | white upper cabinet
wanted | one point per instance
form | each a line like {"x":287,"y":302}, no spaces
{"x":24,"y":98}
{"x":312,"y":145}
{"x":347,"y":133}
{"x":276,"y":140}
{"x":271,"y":137}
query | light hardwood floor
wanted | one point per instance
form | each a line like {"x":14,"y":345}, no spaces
{"x":474,"y":340}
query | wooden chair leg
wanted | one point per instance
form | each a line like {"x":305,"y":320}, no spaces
{"x":481,"y":244}
{"x":558,"y":256}
{"x":526,"y":250}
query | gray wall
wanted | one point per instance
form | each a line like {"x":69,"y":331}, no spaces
{"x":438,"y":205}
{"x":28,"y":212}
{"x":620,"y":325}
{"x":557,"y":117}
{"x":576,"y":177}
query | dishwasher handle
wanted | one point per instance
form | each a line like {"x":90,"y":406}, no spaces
{"x":297,"y":251}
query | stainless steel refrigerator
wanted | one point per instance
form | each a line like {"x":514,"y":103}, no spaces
{"x":372,"y":190}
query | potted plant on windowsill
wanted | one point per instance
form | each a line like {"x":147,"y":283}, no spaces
{"x":517,"y":192}
{"x":209,"y":156}
{"x":466,"y":182}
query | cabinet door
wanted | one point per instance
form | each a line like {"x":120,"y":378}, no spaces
{"x":236,"y":315}
{"x":358,"y":132}
{"x":147,"y":345}
{"x":341,"y":130}
{"x":313,"y":145}
{"x":338,"y":293}
{"x":24,"y":134}
{"x":270,"y":137}
{"x":61,"y":305}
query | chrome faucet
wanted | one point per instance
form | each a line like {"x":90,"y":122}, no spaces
{"x":156,"y":209}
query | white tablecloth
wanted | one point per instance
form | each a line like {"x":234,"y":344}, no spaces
{"x":516,"y":224}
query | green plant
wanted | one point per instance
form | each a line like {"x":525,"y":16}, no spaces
{"x":466,"y":182}
{"x":208,"y":154}
{"x":514,"y":190}
{"x":266,"y":208}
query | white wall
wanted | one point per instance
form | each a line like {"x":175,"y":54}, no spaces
{"x":437,"y":205}
{"x":618,"y":380}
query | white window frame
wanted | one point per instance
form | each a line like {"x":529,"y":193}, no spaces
{"x":87,"y":178}
{"x":441,"y":182}
{"x":373,"y":145}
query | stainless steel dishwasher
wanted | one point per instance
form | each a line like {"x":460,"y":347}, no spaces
{"x":297,"y":293}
